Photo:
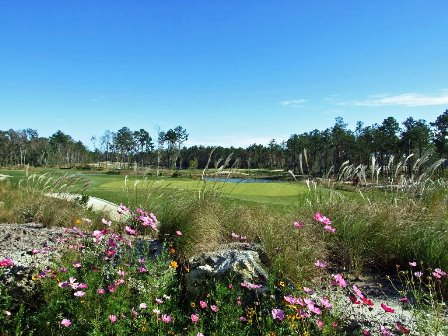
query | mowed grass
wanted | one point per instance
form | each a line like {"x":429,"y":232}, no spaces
{"x":121,"y":189}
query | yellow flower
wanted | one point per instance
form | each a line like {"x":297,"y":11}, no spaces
{"x":78,"y":221}
{"x":35,"y":277}
{"x":173,"y":264}
{"x":281,"y":284}
{"x":172,"y":250}
{"x":193,"y":305}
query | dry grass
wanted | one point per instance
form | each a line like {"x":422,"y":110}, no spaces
{"x":26,"y":202}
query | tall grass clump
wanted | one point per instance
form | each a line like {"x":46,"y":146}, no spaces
{"x":207,"y":222}
{"x":28,"y":200}
{"x":382,"y":229}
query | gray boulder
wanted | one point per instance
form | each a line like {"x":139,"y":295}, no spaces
{"x":242,"y":261}
{"x":31,"y":247}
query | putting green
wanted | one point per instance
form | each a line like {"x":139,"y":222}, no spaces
{"x":273,"y":189}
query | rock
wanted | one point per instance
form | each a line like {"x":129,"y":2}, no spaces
{"x":17,"y":241}
{"x":243,"y":260}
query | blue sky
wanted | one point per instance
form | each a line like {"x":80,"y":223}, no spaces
{"x":230,"y":72}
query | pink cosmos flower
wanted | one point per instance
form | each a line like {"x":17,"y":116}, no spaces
{"x":358,"y":292}
{"x":97,"y":236}
{"x":418,"y":274}
{"x":72,"y":283}
{"x":384,"y":331}
{"x":179,"y":233}
{"x":199,"y":334}
{"x":121,"y":273}
{"x":438,"y":270}
{"x":35,"y":251}
{"x":63,"y":284}
{"x":320,"y":264}
{"x":143,"y":305}
{"x":322,"y":219}
{"x":320,"y":324}
{"x":314,"y":309}
{"x":367,"y":301}
{"x":7,"y":313}
{"x":111,"y":288}
{"x":79,"y":293}
{"x":366,"y":332}
{"x":194,"y":318}
{"x":340,"y":280}
{"x":203,"y":304}
{"x":243,"y":319}
{"x":412,"y":263}
{"x":122,"y":209}
{"x":330,"y":228}
{"x":311,"y":306}
{"x":250,"y":285}
{"x":303,"y":313}
{"x":83,"y":286}
{"x":130,"y":230}
{"x":106,"y":222}
{"x":308,"y":290}
{"x":66,"y":323}
{"x":76,"y":264}
{"x":298,"y":225}
{"x":166,"y":318}
{"x":141,"y":269}
{"x":159,"y":301}
{"x":156,"y":311}
{"x":63,"y":270}
{"x":436,"y":275}
{"x":6,"y":262}
{"x":402,"y":329}
{"x":294,"y":301}
{"x":353,"y":299}
{"x":100,"y":291}
{"x":404,"y":299}
{"x":119,"y":282}
{"x":387,"y":309}
{"x":113,"y":318}
{"x":110,"y":253}
{"x":235,"y":236}
{"x":278,"y":314}
{"x":214,"y":308}
{"x":325,"y":303}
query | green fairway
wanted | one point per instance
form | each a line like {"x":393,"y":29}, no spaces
{"x":134,"y":189}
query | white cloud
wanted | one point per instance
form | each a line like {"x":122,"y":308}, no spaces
{"x":405,"y":99}
{"x":293,"y":102}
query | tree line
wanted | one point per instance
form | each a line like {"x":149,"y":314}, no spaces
{"x":316,"y":152}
